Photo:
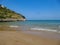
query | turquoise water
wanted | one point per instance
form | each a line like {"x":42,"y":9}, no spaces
{"x":35,"y":24}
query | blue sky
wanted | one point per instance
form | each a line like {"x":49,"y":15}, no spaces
{"x":35,"y":9}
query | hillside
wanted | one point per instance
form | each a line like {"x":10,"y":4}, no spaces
{"x":9,"y":15}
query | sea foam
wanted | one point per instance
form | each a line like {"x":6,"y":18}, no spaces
{"x":42,"y":29}
{"x":13,"y":26}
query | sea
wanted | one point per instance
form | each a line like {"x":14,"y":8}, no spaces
{"x":41,"y":25}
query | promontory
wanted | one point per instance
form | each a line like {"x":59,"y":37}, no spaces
{"x":9,"y":15}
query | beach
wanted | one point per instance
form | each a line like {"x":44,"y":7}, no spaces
{"x":30,"y":33}
{"x":22,"y":38}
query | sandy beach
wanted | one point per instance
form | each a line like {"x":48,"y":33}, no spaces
{"x":21,"y":38}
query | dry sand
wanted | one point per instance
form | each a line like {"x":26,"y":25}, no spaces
{"x":21,"y":38}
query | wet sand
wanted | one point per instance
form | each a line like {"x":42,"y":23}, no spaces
{"x":23,"y":38}
{"x":45,"y":34}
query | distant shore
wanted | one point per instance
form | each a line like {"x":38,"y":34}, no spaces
{"x":8,"y":20}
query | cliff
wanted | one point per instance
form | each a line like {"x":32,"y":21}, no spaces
{"x":9,"y":15}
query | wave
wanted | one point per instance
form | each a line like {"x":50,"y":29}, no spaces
{"x":35,"y":28}
{"x":13,"y":26}
{"x":42,"y":29}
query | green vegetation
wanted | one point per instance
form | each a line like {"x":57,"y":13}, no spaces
{"x":6,"y":13}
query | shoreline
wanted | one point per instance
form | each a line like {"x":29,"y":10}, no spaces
{"x":14,"y":35}
{"x":45,"y":34}
{"x":11,"y":20}
{"x":18,"y":28}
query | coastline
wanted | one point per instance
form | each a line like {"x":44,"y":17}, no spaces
{"x":10,"y":20}
{"x":23,"y":35}
{"x":21,"y":38}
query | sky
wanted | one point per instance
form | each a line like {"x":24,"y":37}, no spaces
{"x":35,"y":9}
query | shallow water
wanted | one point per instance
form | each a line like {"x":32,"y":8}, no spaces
{"x":46,"y":25}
